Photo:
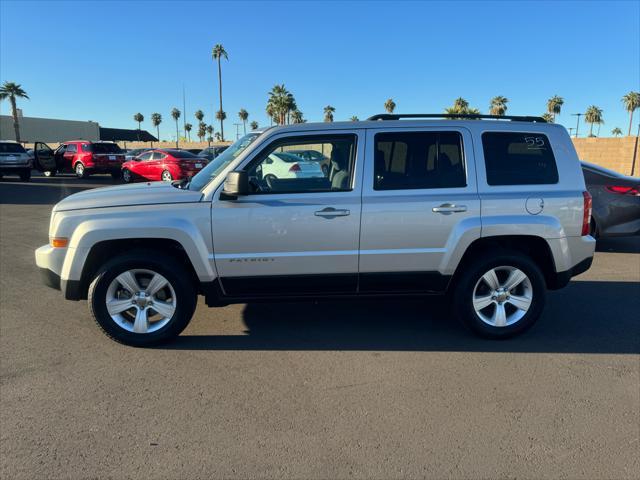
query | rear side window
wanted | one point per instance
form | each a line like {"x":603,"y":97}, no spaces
{"x":86,"y":147}
{"x":514,"y":158}
{"x":72,"y":148}
{"x":417,"y":160}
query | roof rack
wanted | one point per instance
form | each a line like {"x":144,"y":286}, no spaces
{"x":456,"y":116}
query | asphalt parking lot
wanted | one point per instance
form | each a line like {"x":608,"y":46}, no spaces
{"x":375,"y":389}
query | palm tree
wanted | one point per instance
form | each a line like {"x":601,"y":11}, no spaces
{"x":156,"y":120}
{"x":280,"y":104}
{"x":218,"y":53}
{"x":12,"y":91}
{"x":199,"y":115}
{"x":461,"y":106}
{"x":138,"y":117}
{"x":498,"y":105}
{"x":593,"y":115}
{"x":328,"y":113}
{"x":175,"y":113}
{"x":202,"y":130}
{"x":221,"y":115}
{"x":554,"y":105}
{"x":547,"y":117}
{"x":187,"y":129}
{"x":354,"y":119}
{"x":254,"y":125}
{"x":390,"y":105}
{"x":209,"y":130}
{"x":243,"y":115}
{"x":616,"y":132}
{"x":631,"y":101}
{"x":297,"y":117}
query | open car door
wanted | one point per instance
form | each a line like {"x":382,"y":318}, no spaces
{"x":45,"y":158}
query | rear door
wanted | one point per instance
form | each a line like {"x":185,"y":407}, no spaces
{"x":70,"y":153}
{"x":419,"y":203}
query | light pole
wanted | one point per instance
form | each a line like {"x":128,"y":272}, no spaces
{"x":237,"y":130}
{"x":578,"y":122}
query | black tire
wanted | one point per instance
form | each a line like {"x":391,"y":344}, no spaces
{"x":80,"y":170}
{"x":25,"y":176}
{"x":116,"y":174}
{"x":173,"y":271}
{"x":465,"y":284}
{"x":50,"y":173}
{"x":127,"y":176}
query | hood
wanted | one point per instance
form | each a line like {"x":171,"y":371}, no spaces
{"x":147,"y":193}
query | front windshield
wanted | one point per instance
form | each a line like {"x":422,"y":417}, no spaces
{"x":215,"y":166}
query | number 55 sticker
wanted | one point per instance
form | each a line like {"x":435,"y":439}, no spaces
{"x":535,"y":143}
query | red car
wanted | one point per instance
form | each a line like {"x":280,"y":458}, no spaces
{"x":162,"y":164}
{"x":84,"y":158}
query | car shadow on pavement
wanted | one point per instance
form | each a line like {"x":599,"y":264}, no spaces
{"x":586,"y":317}
{"x":47,"y":191}
{"x":619,"y":244}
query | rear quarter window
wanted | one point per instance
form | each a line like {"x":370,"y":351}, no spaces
{"x":519,"y":158}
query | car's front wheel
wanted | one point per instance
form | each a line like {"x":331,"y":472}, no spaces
{"x":127,"y":176}
{"x":142,"y":302}
{"x":166,"y":176}
{"x":500,"y":296}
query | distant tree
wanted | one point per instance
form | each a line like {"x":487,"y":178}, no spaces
{"x":280,"y":104}
{"x":461,"y":106}
{"x":297,"y":117}
{"x":202,"y":130}
{"x":328,"y":113}
{"x":156,"y":120}
{"x":138,"y":117}
{"x":175,"y":114}
{"x":220,"y":115}
{"x":187,"y":129}
{"x":199,"y":115}
{"x":616,"y":132}
{"x":554,"y":106}
{"x":243,"y":115}
{"x":390,"y":105}
{"x":254,"y":125}
{"x":218,"y":53}
{"x":11,"y":91}
{"x":498,"y":105}
{"x":593,"y":115}
{"x":631,"y":102}
{"x":547,"y":117}
{"x":218,"y":137}
{"x":354,"y":119}
{"x":209,"y":130}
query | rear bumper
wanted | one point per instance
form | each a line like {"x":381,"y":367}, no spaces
{"x":15,"y":168}
{"x":561,"y":279}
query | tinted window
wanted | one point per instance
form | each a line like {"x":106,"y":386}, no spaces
{"x":11,"y":148}
{"x":86,"y":147}
{"x":278,"y":170}
{"x":518,"y":159}
{"x":106,"y":148}
{"x":158,"y":156}
{"x":145,"y":156}
{"x":72,"y":148}
{"x":181,"y":154}
{"x":414,"y":160}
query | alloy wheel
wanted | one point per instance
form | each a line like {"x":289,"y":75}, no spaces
{"x":502,"y":296}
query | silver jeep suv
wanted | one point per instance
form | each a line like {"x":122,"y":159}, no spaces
{"x":493,"y":211}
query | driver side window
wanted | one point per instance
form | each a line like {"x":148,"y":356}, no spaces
{"x":318,"y":163}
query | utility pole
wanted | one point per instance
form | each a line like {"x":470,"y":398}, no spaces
{"x":578,"y":122}
{"x":184,"y":112}
{"x":635,"y":152}
{"x":237,"y":130}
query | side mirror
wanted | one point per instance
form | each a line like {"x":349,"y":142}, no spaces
{"x":235,"y":185}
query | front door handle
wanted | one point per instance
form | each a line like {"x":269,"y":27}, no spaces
{"x":449,"y":208}
{"x":331,"y":212}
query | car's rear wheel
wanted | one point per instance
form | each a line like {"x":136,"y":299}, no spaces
{"x":500,"y":296}
{"x":25,"y":176}
{"x":127,"y":176}
{"x":142,"y":302}
{"x":166,"y":176}
{"x":81,"y":172}
{"x":50,"y":173}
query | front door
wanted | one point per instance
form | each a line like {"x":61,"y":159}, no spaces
{"x":297,"y":233}
{"x":45,"y":157}
{"x":419,"y":201}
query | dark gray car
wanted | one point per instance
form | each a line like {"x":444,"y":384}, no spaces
{"x":616,"y":201}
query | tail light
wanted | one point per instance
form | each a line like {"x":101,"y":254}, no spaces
{"x":586,"y":213}
{"x":634,"y":192}
{"x":295,"y":168}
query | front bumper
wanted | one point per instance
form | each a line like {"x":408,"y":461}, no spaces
{"x":50,"y":261}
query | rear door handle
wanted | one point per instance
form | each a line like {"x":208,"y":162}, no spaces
{"x":449,"y":208}
{"x":331,"y":212}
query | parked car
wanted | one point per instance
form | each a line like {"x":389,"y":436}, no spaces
{"x":492,"y":212}
{"x":84,"y":158}
{"x":616,"y":201}
{"x":133,"y":153}
{"x":195,"y":151}
{"x":212,"y":152}
{"x":162,"y":164}
{"x":15,"y":160}
{"x":285,"y":165}
{"x":314,"y":156}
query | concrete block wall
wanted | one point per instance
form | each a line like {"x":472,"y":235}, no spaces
{"x":613,"y":153}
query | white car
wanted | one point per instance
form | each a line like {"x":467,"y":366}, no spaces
{"x":281,"y":165}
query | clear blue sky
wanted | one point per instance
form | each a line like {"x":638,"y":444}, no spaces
{"x":105,"y":61}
